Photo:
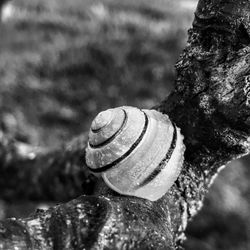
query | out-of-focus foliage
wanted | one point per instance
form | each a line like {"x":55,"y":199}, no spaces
{"x":63,"y":61}
{"x":224,"y":221}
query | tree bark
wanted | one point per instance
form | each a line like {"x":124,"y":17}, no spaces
{"x":211,"y":106}
{"x":33,"y":167}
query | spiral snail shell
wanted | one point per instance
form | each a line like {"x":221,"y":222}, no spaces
{"x":137,"y":152}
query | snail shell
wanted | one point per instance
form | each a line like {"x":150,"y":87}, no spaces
{"x":137,"y":152}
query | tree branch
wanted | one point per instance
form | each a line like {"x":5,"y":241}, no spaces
{"x":211,"y":106}
{"x":43,"y":174}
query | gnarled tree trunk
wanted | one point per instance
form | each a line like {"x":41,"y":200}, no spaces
{"x":211,"y":106}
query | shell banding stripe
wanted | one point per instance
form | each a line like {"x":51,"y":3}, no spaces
{"x":136,"y":152}
{"x":113,"y":136}
{"x":114,"y":163}
{"x":162,"y":164}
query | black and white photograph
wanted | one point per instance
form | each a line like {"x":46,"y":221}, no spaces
{"x":124,"y":124}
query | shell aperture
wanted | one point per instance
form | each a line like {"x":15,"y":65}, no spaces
{"x":137,"y":152}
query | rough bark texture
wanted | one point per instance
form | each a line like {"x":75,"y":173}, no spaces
{"x":211,"y":106}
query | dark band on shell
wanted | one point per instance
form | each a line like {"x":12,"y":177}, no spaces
{"x":163,"y":162}
{"x":107,"y":141}
{"x":137,"y":152}
{"x":114,"y":163}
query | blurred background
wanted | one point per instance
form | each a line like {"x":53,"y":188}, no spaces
{"x":62,"y":62}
